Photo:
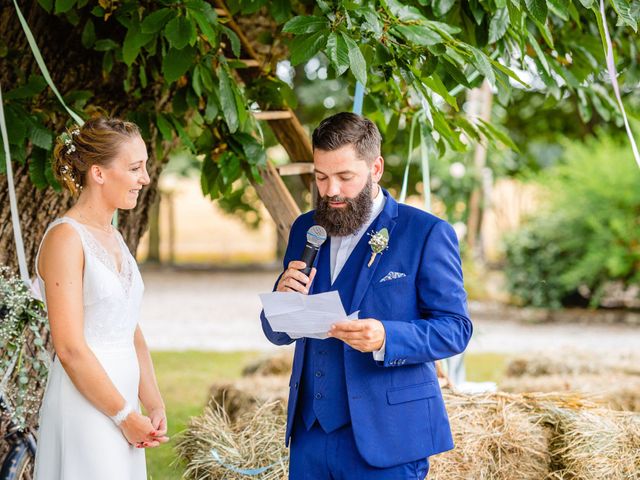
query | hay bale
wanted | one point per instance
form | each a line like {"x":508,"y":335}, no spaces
{"x":215,"y":447}
{"x":616,"y":391}
{"x":244,"y":394}
{"x":498,"y":436}
{"x":573,"y":363}
{"x":279,"y":364}
{"x":593,"y":444}
{"x":495,"y":439}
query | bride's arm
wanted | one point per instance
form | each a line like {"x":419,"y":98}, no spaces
{"x":148,"y":391}
{"x":61,"y":264}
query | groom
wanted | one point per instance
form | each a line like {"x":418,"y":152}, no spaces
{"x":365,"y":403}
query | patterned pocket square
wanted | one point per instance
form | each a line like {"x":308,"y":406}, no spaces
{"x":392,"y":276}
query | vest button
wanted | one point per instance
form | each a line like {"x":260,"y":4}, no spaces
{"x":318,"y":396}
{"x":318,"y":373}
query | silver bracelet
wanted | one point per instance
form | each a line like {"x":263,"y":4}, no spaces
{"x":119,"y":417}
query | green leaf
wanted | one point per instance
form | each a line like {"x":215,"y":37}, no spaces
{"x":434,"y":82}
{"x":304,"y":47}
{"x":338,"y":53}
{"x":358,"y":64}
{"x":184,"y":137}
{"x":206,"y":77}
{"x":33,"y":87}
{"x":195,"y":81}
{"x":177,"y":62}
{"x":205,"y":26}
{"x":104,"y":45}
{"x":498,"y":25}
{"x":46,"y":4}
{"x":37,"y":166}
{"x":180,"y":32}
{"x":133,"y":42}
{"x":537,"y":9}
{"x":227,"y":100}
{"x":165,"y":127}
{"x":155,"y":21}
{"x":63,"y":6}
{"x":41,"y":137}
{"x":211,"y":111}
{"x":498,"y":133}
{"x":560,"y":8}
{"x":88,"y":37}
{"x":541,"y":56}
{"x":233,"y":38}
{"x":418,"y":34}
{"x":441,"y":7}
{"x":483,"y":64}
{"x":586,"y":3}
{"x":305,"y":24}
{"x":623,"y":9}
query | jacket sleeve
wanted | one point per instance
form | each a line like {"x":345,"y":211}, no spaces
{"x":444,"y":328}
{"x":281,"y":338}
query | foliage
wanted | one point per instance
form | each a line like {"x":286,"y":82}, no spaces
{"x":410,"y":55}
{"x":589,"y":233}
{"x":24,"y":358}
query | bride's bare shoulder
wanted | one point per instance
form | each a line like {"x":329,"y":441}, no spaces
{"x":62,"y":243}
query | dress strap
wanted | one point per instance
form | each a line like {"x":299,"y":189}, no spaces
{"x":55,"y":223}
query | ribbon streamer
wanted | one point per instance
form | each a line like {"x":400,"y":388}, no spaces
{"x":251,"y":472}
{"x":613,"y":75}
{"x":15,"y":219}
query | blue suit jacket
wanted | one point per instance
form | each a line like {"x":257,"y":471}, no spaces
{"x":396,"y":406}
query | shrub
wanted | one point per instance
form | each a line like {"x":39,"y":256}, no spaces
{"x":587,"y":234}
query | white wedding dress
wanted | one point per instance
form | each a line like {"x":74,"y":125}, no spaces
{"x":76,"y":441}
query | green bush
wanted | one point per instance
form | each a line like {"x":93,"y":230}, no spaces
{"x":588,"y":232}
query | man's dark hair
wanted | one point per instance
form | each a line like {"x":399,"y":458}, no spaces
{"x":347,"y":128}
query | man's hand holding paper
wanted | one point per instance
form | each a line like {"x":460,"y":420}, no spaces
{"x":300,"y":315}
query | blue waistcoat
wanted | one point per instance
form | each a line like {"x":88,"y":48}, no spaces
{"x":323,"y":387}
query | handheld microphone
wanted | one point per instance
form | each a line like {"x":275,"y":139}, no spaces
{"x":316,"y":236}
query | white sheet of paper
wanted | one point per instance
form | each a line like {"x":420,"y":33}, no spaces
{"x":300,"y":315}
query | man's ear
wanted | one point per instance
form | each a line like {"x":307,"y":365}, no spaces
{"x":377,"y":169}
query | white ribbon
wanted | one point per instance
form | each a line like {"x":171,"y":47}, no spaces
{"x":613,"y":75}
{"x":17,"y":232}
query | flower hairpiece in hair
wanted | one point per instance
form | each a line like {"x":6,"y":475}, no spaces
{"x":68,"y":140}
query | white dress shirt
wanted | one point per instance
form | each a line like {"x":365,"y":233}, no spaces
{"x":342,"y":247}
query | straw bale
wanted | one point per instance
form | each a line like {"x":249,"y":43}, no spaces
{"x":572,"y":363}
{"x":593,"y":444}
{"x":279,"y":364}
{"x":616,"y":391}
{"x":245,"y":393}
{"x":495,"y":439}
{"x":215,"y":447}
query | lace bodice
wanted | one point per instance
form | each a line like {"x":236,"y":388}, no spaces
{"x":111,"y":296}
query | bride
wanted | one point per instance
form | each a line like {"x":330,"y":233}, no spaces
{"x":90,"y":421}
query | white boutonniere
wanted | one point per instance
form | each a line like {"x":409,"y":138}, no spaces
{"x":379,"y":242}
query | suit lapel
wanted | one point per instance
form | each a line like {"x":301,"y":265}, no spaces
{"x":364,"y":275}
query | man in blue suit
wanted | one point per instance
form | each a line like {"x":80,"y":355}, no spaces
{"x":365,"y":403}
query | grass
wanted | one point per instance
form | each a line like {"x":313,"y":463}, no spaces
{"x":185,"y":378}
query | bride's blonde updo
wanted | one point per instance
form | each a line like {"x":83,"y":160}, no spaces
{"x":95,"y":143}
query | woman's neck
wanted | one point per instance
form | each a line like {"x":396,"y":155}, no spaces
{"x":93,"y":210}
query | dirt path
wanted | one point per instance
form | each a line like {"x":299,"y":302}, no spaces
{"x":219,"y":311}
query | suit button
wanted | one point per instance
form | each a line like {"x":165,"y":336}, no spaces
{"x":296,"y":385}
{"x":318,"y":373}
{"x":318,"y":396}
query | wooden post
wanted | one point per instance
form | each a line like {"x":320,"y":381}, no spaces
{"x":278,"y":201}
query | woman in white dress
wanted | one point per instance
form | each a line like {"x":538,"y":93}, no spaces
{"x":91,"y":426}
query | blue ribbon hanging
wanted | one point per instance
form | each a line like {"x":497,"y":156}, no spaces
{"x":250,"y":472}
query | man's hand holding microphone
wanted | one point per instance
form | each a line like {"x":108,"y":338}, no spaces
{"x":364,"y":335}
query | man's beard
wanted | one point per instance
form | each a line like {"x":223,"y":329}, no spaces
{"x":347,"y":220}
